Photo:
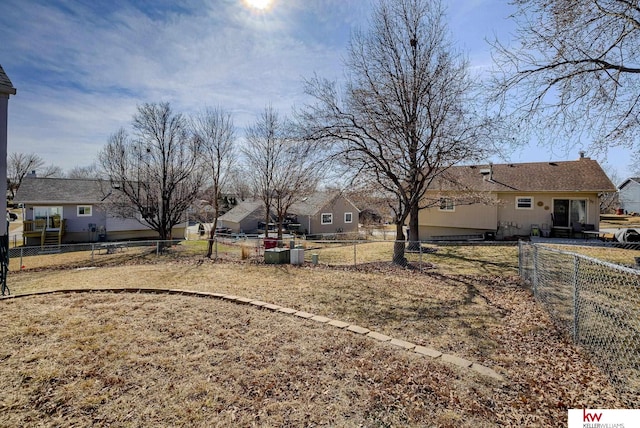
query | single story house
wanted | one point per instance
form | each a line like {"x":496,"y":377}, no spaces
{"x":317,"y":214}
{"x":244,"y":217}
{"x":629,"y":195}
{"x":515,"y":199}
{"x":63,"y":210}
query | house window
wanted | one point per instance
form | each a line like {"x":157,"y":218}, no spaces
{"x":524,"y":203}
{"x":446,"y":204}
{"x":84,"y":210}
{"x":348,"y":217}
{"x":326,"y":218}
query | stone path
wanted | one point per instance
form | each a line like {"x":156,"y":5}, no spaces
{"x":353,"y":328}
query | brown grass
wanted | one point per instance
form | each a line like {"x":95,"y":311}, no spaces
{"x":140,"y":360}
{"x":618,"y":256}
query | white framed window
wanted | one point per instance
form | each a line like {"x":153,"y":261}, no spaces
{"x":348,"y":217}
{"x":84,"y":210}
{"x":524,"y":202}
{"x":446,"y":204}
{"x":326,"y":218}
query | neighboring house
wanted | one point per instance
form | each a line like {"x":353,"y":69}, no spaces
{"x":244,"y":217}
{"x":629,"y":195}
{"x":326,"y":213}
{"x":320,"y":213}
{"x":515,"y":199}
{"x":62,"y":210}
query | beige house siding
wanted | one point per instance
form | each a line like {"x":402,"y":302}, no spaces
{"x":503,"y":216}
{"x":518,"y":221}
{"x":463,"y":220}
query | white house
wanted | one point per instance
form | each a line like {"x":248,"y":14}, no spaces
{"x":629,"y":195}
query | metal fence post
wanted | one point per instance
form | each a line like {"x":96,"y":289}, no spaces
{"x":420,"y":256}
{"x":520,"y":258}
{"x":92,"y":248}
{"x":535,"y":271}
{"x":157,"y":248}
{"x":355,"y":263}
{"x":576,"y":299}
{"x":215,"y":245}
{"x":21,"y":251}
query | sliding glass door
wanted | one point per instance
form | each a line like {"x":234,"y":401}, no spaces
{"x":50,"y":217}
{"x":569,"y":211}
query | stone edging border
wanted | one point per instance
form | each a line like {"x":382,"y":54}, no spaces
{"x":407,"y":346}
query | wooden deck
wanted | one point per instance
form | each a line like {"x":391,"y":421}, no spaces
{"x":39,"y":229}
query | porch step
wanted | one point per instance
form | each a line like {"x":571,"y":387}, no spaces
{"x":51,"y":239}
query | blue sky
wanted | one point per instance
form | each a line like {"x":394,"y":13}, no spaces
{"x":82,"y":66}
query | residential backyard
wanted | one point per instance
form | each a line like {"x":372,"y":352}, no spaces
{"x":139,"y":359}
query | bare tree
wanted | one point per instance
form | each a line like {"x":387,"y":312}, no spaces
{"x":51,"y":171}
{"x":610,"y":201}
{"x":90,"y":171}
{"x":405,"y":113}
{"x":154,"y":174}
{"x":18,"y":166}
{"x":238,"y":184}
{"x":282,"y":168}
{"x":216,"y":135}
{"x":573,"y":71}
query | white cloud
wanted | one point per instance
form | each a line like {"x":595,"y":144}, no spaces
{"x":82,"y":67}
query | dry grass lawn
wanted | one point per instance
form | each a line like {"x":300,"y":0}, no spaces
{"x":127,"y":359}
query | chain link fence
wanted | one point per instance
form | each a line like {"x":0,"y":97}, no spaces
{"x":595,"y":303}
{"x":358,"y":252}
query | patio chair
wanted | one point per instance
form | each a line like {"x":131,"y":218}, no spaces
{"x":577,"y":229}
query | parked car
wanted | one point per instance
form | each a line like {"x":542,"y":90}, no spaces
{"x":11,"y":216}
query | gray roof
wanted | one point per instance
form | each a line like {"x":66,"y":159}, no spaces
{"x":313,"y":204}
{"x":240,"y":211}
{"x":6,"y":87}
{"x":309,"y":206}
{"x":35,"y":190}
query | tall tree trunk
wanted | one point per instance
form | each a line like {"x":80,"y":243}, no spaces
{"x":212,"y":234}
{"x":414,"y":233}
{"x":398,"y":246}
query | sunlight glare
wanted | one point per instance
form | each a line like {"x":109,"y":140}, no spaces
{"x":258,"y":4}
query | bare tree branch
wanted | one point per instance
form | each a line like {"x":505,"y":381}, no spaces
{"x":154,"y":173}
{"x":573,"y":72}
{"x":214,"y":130}
{"x":406,"y":112}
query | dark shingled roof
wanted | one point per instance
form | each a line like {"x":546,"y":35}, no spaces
{"x":312,"y":204}
{"x":583,"y":175}
{"x":35,"y":190}
{"x":240,"y":211}
{"x":6,"y":87}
